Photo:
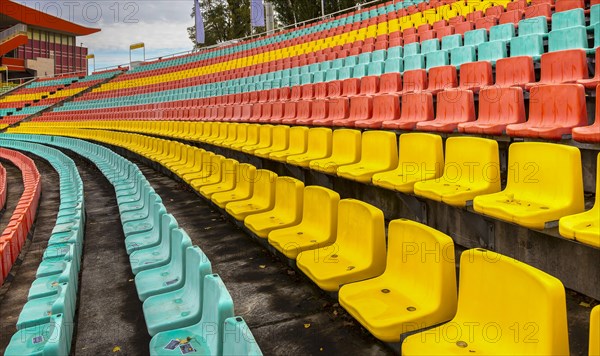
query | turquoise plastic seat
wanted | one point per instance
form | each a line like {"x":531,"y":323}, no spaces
{"x":364,"y":58}
{"x":345,"y":73}
{"x":531,"y":45}
{"x":38,"y":311}
{"x":205,"y":336}
{"x":169,"y":277}
{"x":436,"y":59}
{"x":429,"y":46}
{"x":306,"y":79}
{"x":460,"y":55}
{"x":49,"y":285}
{"x":235,"y":345}
{"x":375,"y":68}
{"x":337,"y":63}
{"x":359,"y":71}
{"x":331,"y":74}
{"x":451,"y":41}
{"x":319,"y":77}
{"x":148,"y":208}
{"x":533,"y":26}
{"x":379,"y":55}
{"x":159,"y":255}
{"x":492,"y":51}
{"x":394,"y":65}
{"x":567,"y":38}
{"x":567,"y":19}
{"x":416,"y":61}
{"x":56,"y":265}
{"x":182,"y":307}
{"x":394,"y":52}
{"x":350,"y":61}
{"x":502,"y":32}
{"x":475,"y":37}
{"x":412,"y":49}
{"x":594,"y":15}
{"x":48,"y":339}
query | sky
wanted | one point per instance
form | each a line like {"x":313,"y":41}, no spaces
{"x":160,"y":24}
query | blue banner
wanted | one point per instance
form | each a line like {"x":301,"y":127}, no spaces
{"x":199,"y":24}
{"x":257,"y":13}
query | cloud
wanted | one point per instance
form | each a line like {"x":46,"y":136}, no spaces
{"x":160,"y":24}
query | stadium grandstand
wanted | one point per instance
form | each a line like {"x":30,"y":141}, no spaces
{"x":414,"y":177}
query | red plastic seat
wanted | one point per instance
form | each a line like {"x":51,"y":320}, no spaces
{"x":472,"y":16}
{"x":414,"y":80}
{"x":273,"y":95}
{"x":416,"y":107}
{"x":441,"y":78}
{"x":319,"y":111}
{"x":386,"y":107}
{"x":516,"y":5}
{"x":538,"y":10}
{"x":276,"y":112}
{"x":246,"y":112}
{"x":474,"y":75}
{"x":513,"y":16}
{"x":308,"y":91}
{"x":514,"y":71}
{"x":554,"y":110}
{"x":593,"y":82}
{"x":498,"y":107}
{"x":369,"y":85}
{"x":412,"y":38}
{"x":350,"y":87}
{"x":334,"y":89}
{"x":303,"y":110}
{"x":265,"y":115}
{"x":320,"y":90}
{"x":296,"y":93}
{"x":453,"y":107}
{"x":444,"y":31}
{"x":427,"y":35}
{"x":565,"y":5}
{"x":361,"y":108}
{"x":494,"y":11}
{"x":590,"y":133}
{"x":486,"y":22}
{"x":390,"y":83}
{"x":338,"y":110}
{"x":462,"y":27}
{"x":562,"y":67}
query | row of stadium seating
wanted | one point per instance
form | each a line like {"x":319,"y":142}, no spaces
{"x":283,"y":210}
{"x":164,"y":281}
{"x":3,"y":184}
{"x":46,"y":322}
{"x":22,"y":219}
{"x":417,"y":165}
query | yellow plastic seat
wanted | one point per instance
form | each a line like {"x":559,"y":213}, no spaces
{"x":263,"y":197}
{"x":228,"y":181}
{"x":192,"y":154}
{"x":265,"y":138}
{"x":505,"y":307}
{"x":421,"y":158}
{"x":215,"y":172}
{"x":250,"y":139}
{"x":594,"y":348}
{"x":544,"y":183}
{"x":231,"y":135}
{"x":202,"y":169}
{"x":584,"y":227}
{"x":245,"y":177}
{"x":287,"y":210}
{"x":472,"y":168}
{"x":417,"y":289}
{"x":345,"y":150}
{"x":358,"y":252}
{"x":379,"y":153}
{"x":318,"y":147}
{"x":215,"y":129}
{"x":240,"y":136}
{"x":281,"y":136}
{"x":318,"y":225}
{"x":298,"y":137}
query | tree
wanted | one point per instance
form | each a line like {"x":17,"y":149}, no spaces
{"x":294,"y":11}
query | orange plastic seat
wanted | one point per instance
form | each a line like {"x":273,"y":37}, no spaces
{"x":590,"y":133}
{"x":453,"y":107}
{"x":498,"y":107}
{"x":386,"y":107}
{"x":416,"y":107}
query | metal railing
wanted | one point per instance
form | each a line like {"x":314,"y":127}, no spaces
{"x":18,"y":29}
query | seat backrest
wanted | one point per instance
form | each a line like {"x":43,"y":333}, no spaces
{"x":430,"y":46}
{"x":564,"y":66}
{"x":319,"y":212}
{"x":421,"y":156}
{"x":533,"y":26}
{"x":339,"y":108}
{"x":229,"y":170}
{"x":475,"y":74}
{"x":514,"y":71}
{"x":412,"y":49}
{"x":567,"y":38}
{"x":246,"y":176}
{"x":417,"y":106}
{"x":452,"y":41}
{"x":475,"y":37}
{"x":298,"y":138}
{"x":394,"y":65}
{"x":379,"y":146}
{"x":351,"y":87}
{"x":319,"y":141}
{"x":346,"y":145}
{"x":264,"y":188}
{"x":390,"y":83}
{"x":361,"y":107}
{"x":566,"y":19}
{"x":472,"y":161}
{"x":217,"y":306}
{"x":594,"y":347}
{"x":455,"y":105}
{"x":281,"y":135}
{"x":436,"y":59}
{"x":180,"y":241}
{"x":441,"y":78}
{"x":501,"y":105}
{"x":360,"y":231}
{"x":289,"y":110}
{"x":369,"y":85}
{"x":546,"y":105}
{"x":418,"y":253}
{"x":414,"y":80}
{"x":288,"y":198}
{"x":412,"y":62}
{"x":462,"y":55}
{"x":521,"y":294}
{"x":502,"y":32}
{"x":386,"y":107}
{"x":197,"y":266}
{"x":568,"y":5}
{"x":265,"y":135}
{"x":491,"y":51}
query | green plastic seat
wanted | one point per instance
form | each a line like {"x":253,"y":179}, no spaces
{"x":394,"y":52}
{"x":359,"y":71}
{"x":364,"y":58}
{"x":492,"y":51}
{"x":412,"y":49}
{"x":416,"y":61}
{"x":169,"y":277}
{"x":394,"y":65}
{"x":502,"y":32}
{"x":56,"y":265}
{"x":51,"y":338}
{"x":379,"y":55}
{"x":594,"y":16}
{"x":148,"y":208}
{"x":38,"y":311}
{"x":475,"y":37}
{"x":182,"y":307}
{"x":531,"y":45}
{"x":235,"y":345}
{"x":460,"y":55}
{"x":149,"y":238}
{"x":533,"y":26}
{"x":159,"y":255}
{"x":49,"y":285}
{"x":567,"y":38}
{"x":429,"y":46}
{"x":451,"y":41}
{"x":205,"y":336}
{"x":567,"y":19}
{"x":375,"y":68}
{"x":345,"y":73}
{"x":436,"y":59}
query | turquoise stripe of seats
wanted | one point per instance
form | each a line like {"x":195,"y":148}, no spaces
{"x":29,"y":110}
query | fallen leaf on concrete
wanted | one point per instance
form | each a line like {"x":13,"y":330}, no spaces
{"x":262,"y":266}
{"x":306,"y":326}
{"x":116,"y":349}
